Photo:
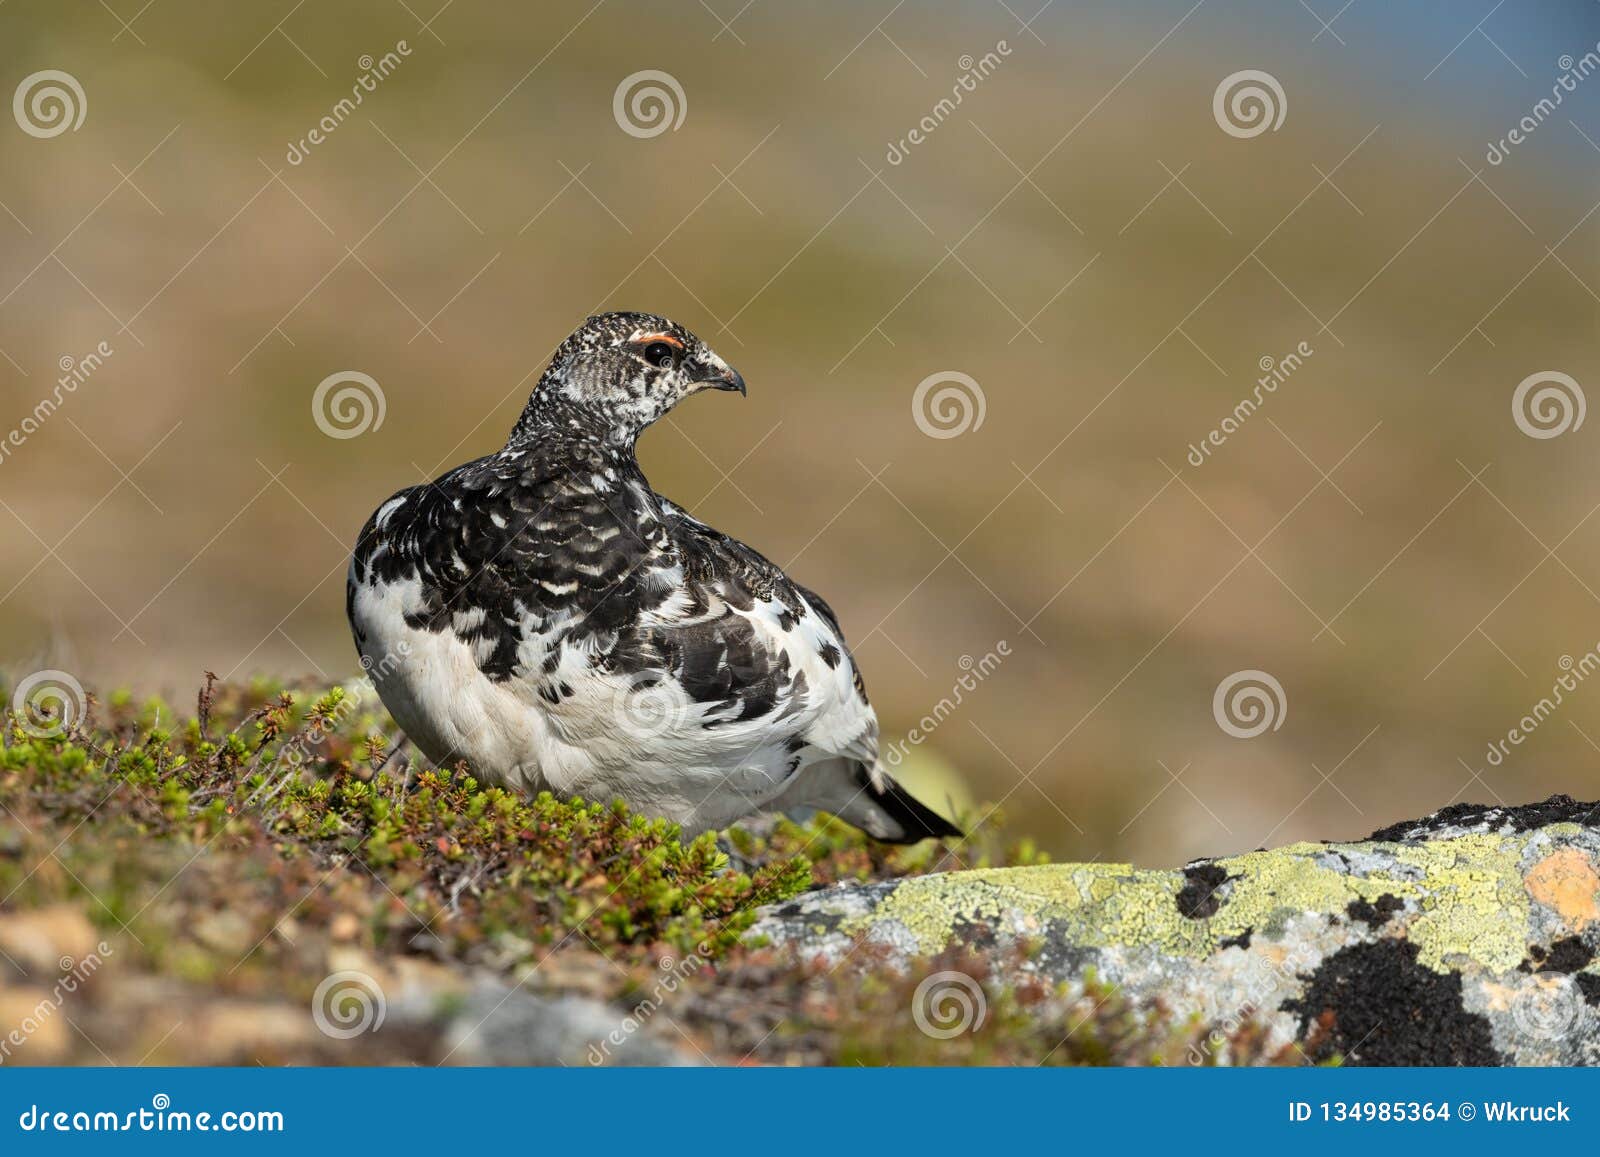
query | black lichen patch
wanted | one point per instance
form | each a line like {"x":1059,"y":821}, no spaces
{"x":1199,"y":898}
{"x":1589,"y":985}
{"x":1056,"y":955}
{"x":1558,"y":809}
{"x":1240,"y":941}
{"x":1568,"y":956}
{"x":1375,"y":913}
{"x":974,"y":934}
{"x":1378,"y":1006}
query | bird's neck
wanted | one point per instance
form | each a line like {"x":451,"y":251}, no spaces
{"x":550,"y":415}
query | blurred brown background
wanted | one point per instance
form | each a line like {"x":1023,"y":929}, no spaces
{"x":1080,"y":236}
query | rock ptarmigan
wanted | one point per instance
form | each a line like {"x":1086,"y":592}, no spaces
{"x":543,"y":614}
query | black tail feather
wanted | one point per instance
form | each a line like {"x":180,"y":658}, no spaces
{"x":916,"y":820}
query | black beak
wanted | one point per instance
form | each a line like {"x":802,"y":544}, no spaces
{"x":731,"y":379}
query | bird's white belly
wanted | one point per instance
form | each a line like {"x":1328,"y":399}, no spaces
{"x":598,"y":742}
{"x":431,"y":683}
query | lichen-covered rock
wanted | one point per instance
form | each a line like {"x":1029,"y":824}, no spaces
{"x":1464,"y":938}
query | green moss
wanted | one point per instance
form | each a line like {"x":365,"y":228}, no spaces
{"x":262,"y":778}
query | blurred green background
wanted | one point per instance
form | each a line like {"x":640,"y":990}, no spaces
{"x":1080,"y":236}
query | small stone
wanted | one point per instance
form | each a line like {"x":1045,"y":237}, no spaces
{"x":226,"y":932}
{"x":31,"y":1015}
{"x":47,"y":941}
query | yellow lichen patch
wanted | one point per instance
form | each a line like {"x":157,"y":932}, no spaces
{"x":1276,"y":885}
{"x":929,"y":907}
{"x":1468,"y":892}
{"x":1562,"y":831}
{"x":1565,"y":881}
{"x":1473,"y":904}
{"x":1105,"y":905}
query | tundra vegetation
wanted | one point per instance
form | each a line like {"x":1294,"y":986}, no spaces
{"x":219,"y":864}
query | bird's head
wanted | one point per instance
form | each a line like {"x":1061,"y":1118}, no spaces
{"x":623,"y":371}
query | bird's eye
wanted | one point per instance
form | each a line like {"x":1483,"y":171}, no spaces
{"x":659,"y":354}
